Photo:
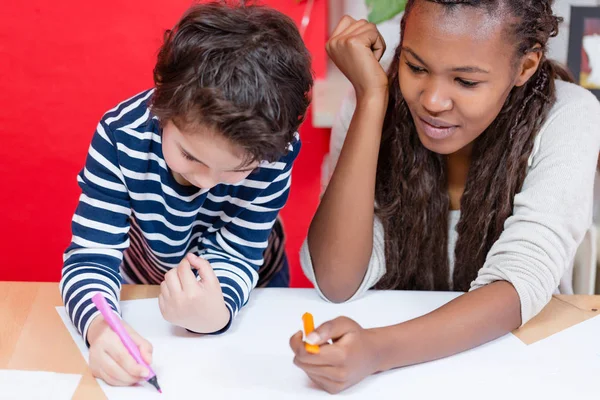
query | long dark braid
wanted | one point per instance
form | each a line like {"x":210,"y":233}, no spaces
{"x":411,"y":189}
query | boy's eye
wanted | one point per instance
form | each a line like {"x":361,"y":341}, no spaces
{"x":415,"y":69}
{"x":466,"y":83}
{"x":245,"y":171}
{"x":187,"y":156}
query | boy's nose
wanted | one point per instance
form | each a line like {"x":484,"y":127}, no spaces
{"x":205,"y":181}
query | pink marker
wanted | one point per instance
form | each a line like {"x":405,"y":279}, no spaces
{"x":115,"y":324}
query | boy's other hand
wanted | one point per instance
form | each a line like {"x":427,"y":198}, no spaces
{"x":110,"y":360}
{"x":196,"y":305}
{"x":351,"y":358}
{"x":356,"y":48}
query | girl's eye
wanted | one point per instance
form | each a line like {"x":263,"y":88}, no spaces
{"x":415,"y":69}
{"x":468,"y":84}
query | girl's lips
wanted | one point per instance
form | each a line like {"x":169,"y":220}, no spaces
{"x":436,"y":129}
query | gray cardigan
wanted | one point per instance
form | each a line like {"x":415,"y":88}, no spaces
{"x":551,"y":213}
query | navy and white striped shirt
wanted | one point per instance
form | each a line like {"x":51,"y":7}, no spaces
{"x":134,"y":221}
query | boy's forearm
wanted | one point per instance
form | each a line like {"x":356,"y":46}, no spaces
{"x":472,"y":319}
{"x":341,"y":233}
{"x":79,"y":280}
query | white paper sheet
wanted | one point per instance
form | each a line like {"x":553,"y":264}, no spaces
{"x":573,"y":359}
{"x":37,"y":385}
{"x":579,"y":341}
{"x":253,"y":359}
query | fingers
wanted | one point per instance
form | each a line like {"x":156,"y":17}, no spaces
{"x":328,"y":355}
{"x":332,"y":330}
{"x":354,"y":27}
{"x":205,"y":270}
{"x":318,"y":366}
{"x":297,"y":345}
{"x":120,"y":372}
{"x":182,"y":278}
{"x":331,"y":373}
{"x":378,"y":43}
{"x":186,"y":275}
{"x":326,"y":384}
{"x":105,"y":367}
{"x":372,"y":35}
{"x":172,"y":282}
{"x":379,"y":47}
{"x":360,"y":33}
{"x":133,"y":372}
{"x":344,"y":23}
{"x":108,"y":378}
{"x":110,"y":360}
{"x":146,"y":348}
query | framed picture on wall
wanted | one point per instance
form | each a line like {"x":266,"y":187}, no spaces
{"x":584,"y":47}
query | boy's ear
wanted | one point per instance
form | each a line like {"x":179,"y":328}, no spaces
{"x":528,"y":65}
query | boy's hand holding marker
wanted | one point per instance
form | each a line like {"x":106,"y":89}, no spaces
{"x":334,"y":367}
{"x":184,"y":300}
{"x":110,"y":360}
{"x":197,"y":305}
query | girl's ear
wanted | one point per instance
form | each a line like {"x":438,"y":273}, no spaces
{"x":528,"y":65}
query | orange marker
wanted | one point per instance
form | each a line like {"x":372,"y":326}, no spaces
{"x":309,"y":326}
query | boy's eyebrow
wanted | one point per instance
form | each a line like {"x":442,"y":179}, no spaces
{"x":466,"y":69}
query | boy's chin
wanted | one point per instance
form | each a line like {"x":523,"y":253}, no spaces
{"x":183,"y":180}
{"x":192,"y":183}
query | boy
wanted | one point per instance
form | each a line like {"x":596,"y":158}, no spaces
{"x":190,"y":175}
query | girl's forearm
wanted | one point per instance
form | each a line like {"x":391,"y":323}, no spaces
{"x":340,"y":237}
{"x":470,"y":320}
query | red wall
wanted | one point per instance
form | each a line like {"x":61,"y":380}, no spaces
{"x":62,"y":65}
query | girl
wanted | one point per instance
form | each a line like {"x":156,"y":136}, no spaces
{"x":480,"y":160}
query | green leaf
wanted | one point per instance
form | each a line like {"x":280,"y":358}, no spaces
{"x":382,"y":10}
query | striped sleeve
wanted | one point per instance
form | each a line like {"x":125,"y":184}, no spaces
{"x":236,"y":250}
{"x":100,"y":229}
